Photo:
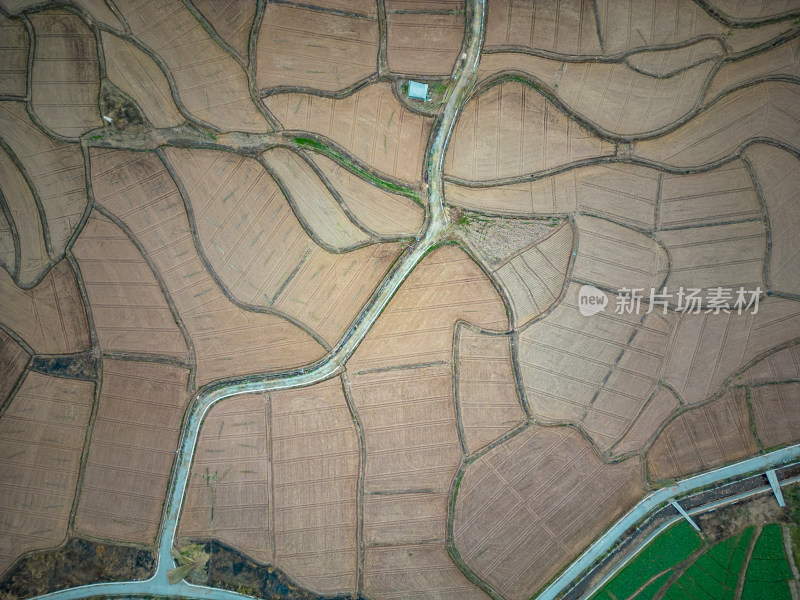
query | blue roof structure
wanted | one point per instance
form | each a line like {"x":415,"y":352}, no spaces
{"x":417,"y":90}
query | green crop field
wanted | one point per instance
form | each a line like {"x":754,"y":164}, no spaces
{"x":768,"y":571}
{"x":668,"y":549}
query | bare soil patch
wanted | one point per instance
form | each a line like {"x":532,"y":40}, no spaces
{"x":487,"y":392}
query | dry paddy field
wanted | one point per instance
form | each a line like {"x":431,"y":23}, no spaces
{"x":132,"y":448}
{"x":531,"y":504}
{"x":269,"y":465}
{"x":423,"y":39}
{"x":235,"y":214}
{"x":511,"y":130}
{"x":229,"y":340}
{"x":42,"y":433}
{"x":705,"y":437}
{"x":312,"y":48}
{"x":129,"y":309}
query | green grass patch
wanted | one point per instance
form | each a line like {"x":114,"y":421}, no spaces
{"x":768,"y":571}
{"x":356,"y":169}
{"x":668,"y":549}
{"x":795,"y":531}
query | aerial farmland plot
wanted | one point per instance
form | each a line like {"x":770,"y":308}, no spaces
{"x":399,"y":299}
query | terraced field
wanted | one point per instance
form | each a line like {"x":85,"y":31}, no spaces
{"x":271,"y":326}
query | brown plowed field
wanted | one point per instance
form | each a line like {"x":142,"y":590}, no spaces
{"x":314,"y":49}
{"x":534,"y":278}
{"x":623,"y":101}
{"x":65,"y":76}
{"x":131,"y":451}
{"x":410,"y":428}
{"x":745,"y":39}
{"x":315,"y":204}
{"x":763,"y":110}
{"x":417,"y":325}
{"x":724,"y":194}
{"x":652,"y":22}
{"x":393,"y":519}
{"x":266,"y":467}
{"x":657,"y":410}
{"x":544,"y":70}
{"x":100,"y":12}
{"x":512,"y":130}
{"x":528,"y":507}
{"x":778,"y":173}
{"x":402,"y":386}
{"x":7,"y":252}
{"x":616,"y":257}
{"x":708,"y":348}
{"x":138,"y":75}
{"x":128,"y":307}
{"x":661,"y":63}
{"x":315,"y":463}
{"x":777,"y":419}
{"x":630,"y":382}
{"x":754,"y":10}
{"x":228,"y":340}
{"x":258,"y":248}
{"x":623,"y":193}
{"x":415,"y":572}
{"x":22,"y":205}
{"x":13,"y":58}
{"x":232,"y":21}
{"x":731,"y":256}
{"x":49,"y":317}
{"x":379,"y":211}
{"x":563,"y":27}
{"x":597,"y":370}
{"x":371,"y":124}
{"x":212,"y":85}
{"x":228,"y":495}
{"x":42,"y":435}
{"x":487,"y":391}
{"x":61,"y":188}
{"x":13,"y":360}
{"x":423,"y":44}
{"x":780,"y":366}
{"x":703,"y":438}
{"x":782,"y":60}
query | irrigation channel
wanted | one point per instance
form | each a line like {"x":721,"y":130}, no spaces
{"x":463,"y":80}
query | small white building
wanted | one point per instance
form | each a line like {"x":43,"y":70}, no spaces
{"x":417,"y":90}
